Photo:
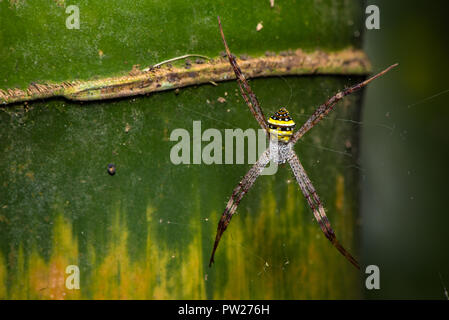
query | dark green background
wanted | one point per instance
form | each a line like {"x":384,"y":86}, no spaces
{"x":405,"y":156}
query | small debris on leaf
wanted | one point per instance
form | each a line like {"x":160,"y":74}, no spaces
{"x":111,"y":169}
{"x":259,"y":26}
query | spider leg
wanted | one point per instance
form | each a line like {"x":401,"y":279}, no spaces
{"x":242,"y":188}
{"x":245,"y":89}
{"x":317,"y":207}
{"x":328,"y":106}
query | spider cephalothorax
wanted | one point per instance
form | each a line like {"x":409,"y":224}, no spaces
{"x":280,"y":128}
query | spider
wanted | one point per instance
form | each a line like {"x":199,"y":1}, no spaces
{"x":280,"y":127}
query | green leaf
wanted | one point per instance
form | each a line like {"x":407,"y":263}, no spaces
{"x":147,"y":231}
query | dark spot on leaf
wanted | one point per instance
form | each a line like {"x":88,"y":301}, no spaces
{"x":111,"y":169}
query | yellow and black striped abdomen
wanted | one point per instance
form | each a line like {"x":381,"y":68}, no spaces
{"x":281,"y":125}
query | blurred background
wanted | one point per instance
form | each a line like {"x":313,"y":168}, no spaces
{"x":405,"y":151}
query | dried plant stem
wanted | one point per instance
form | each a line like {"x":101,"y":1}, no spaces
{"x":137,"y":82}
